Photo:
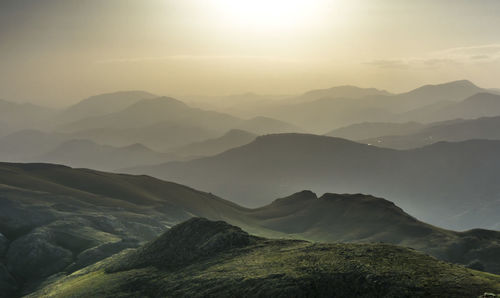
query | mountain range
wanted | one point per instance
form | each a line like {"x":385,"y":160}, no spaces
{"x":331,"y":110}
{"x":413,"y":134}
{"x":447,"y":184}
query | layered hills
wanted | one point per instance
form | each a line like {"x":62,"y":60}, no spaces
{"x":447,"y":184}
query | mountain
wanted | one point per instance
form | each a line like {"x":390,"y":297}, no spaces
{"x":165,"y":123}
{"x":451,"y":91}
{"x":17,"y":116}
{"x":452,"y":131}
{"x":151,"y":111}
{"x":364,"y":218}
{"x":346,"y":91}
{"x":367,"y":130}
{"x":161,"y":136}
{"x":435,"y":183}
{"x":102,"y":104}
{"x":330,"y":112}
{"x":26,"y":144}
{"x":265,"y":125}
{"x":476,"y":106}
{"x":55,"y":219}
{"x":231,"y":139}
{"x":322,"y":114}
{"x":87,"y":154}
{"x":200,"y":258}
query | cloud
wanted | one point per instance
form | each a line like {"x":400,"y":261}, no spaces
{"x":448,"y":57}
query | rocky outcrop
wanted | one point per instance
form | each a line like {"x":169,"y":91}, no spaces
{"x":186,"y":242}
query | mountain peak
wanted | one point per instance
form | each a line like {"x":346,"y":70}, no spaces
{"x":461,"y":84}
{"x":302,"y":196}
{"x":355,"y":198}
{"x":186,"y":242}
{"x":136,"y":147}
{"x":159,"y":102}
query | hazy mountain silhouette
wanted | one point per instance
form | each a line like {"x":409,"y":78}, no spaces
{"x":151,"y":111}
{"x":265,"y":125}
{"x":454,"y":131}
{"x":102,"y":104}
{"x":367,"y":130}
{"x":454,"y":91}
{"x":341,"y":92}
{"x":437,"y":183}
{"x":87,"y":154}
{"x":26,"y":144}
{"x":231,"y":139}
{"x":163,"y":123}
{"x":161,"y":136}
{"x":16,"y":116}
{"x":326,"y":113}
{"x":478,"y":105}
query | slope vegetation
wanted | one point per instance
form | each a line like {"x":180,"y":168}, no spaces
{"x":200,"y":258}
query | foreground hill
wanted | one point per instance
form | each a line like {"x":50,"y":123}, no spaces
{"x":440,"y":183}
{"x":200,"y":258}
{"x":55,"y":219}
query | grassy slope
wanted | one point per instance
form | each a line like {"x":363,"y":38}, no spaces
{"x":331,"y":218}
{"x":281,"y":268}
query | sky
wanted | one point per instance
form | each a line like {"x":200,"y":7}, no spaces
{"x":56,"y":52}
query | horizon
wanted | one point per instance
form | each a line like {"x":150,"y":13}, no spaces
{"x":56,"y":52}
{"x":193,"y":98}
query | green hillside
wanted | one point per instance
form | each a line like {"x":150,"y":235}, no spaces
{"x":57,"y":220}
{"x":200,"y":258}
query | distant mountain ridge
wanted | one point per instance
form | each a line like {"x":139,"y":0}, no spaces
{"x":102,"y":104}
{"x":231,"y":139}
{"x":324,"y":112}
{"x":426,"y":181}
{"x":87,"y":154}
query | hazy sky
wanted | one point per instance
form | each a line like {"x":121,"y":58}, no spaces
{"x":58,"y":51}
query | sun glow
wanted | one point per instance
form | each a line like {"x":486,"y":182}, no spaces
{"x":270,"y":14}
